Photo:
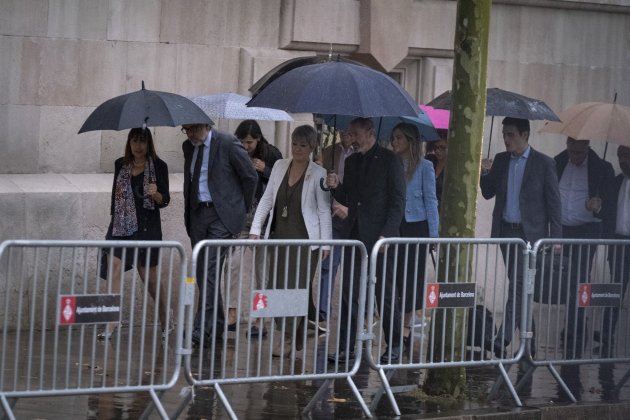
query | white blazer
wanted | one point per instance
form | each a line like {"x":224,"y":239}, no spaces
{"x":315,"y":202}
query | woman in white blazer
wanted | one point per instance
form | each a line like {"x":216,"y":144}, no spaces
{"x":297,"y":208}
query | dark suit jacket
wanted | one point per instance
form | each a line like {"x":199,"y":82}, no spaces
{"x":374,"y":194}
{"x":232,"y":180}
{"x":609,"y":207}
{"x":600,"y":172}
{"x":539,"y":200}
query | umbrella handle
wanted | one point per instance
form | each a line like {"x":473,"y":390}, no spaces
{"x":322,"y":184}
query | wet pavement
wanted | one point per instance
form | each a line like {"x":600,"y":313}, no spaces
{"x":592,"y":384}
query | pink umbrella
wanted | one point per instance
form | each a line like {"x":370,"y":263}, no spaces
{"x":439,"y":117}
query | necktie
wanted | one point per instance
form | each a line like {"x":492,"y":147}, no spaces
{"x":194,"y":187}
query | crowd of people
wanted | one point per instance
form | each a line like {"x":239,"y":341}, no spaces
{"x":240,"y":186}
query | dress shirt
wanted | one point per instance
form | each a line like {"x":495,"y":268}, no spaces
{"x":204,"y":192}
{"x":345,"y":152}
{"x":574,"y":195}
{"x":623,"y":209}
{"x":512,"y":211}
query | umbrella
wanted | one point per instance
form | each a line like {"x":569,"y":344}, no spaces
{"x":291,"y":64}
{"x":231,"y":106}
{"x":504,"y":103}
{"x":337,"y":87}
{"x":144,"y":108}
{"x":594,"y":121}
{"x":439,"y":117}
{"x":386,"y":124}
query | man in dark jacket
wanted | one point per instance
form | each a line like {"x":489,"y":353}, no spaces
{"x":524,"y":185}
{"x":373,"y":189}
{"x":616,"y":213}
{"x":583,"y":178}
{"x":219,"y":186}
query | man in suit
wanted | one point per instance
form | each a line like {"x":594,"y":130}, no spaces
{"x":524,"y":184}
{"x":373,"y":189}
{"x":583,"y":177}
{"x":616,"y":213}
{"x":219,"y":186}
{"x":334,"y":157}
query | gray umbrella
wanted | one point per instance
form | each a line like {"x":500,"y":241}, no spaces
{"x":144,"y":108}
{"x":232,"y":106}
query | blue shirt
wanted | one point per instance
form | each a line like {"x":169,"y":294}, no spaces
{"x":204,"y":192}
{"x":512,"y":210}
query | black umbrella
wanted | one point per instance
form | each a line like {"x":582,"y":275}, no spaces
{"x":144,"y":108}
{"x":291,"y":64}
{"x":337,"y":87}
{"x":504,"y":103}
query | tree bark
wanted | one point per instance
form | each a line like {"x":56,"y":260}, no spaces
{"x":461,"y":178}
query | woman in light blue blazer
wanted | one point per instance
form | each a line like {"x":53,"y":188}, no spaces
{"x":421,"y":219}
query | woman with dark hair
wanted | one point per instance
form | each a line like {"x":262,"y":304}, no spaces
{"x":140,"y":190}
{"x":420,"y":221}
{"x":263,"y":156}
{"x":437,"y":152}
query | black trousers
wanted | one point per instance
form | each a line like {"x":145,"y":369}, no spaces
{"x":385,"y":291}
{"x":205,"y":224}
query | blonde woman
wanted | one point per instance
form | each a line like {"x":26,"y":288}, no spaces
{"x":298,"y":209}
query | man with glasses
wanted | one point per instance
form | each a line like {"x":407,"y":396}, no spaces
{"x":219,"y":186}
{"x":583,"y":176}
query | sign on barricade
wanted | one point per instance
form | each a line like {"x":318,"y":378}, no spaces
{"x":56,"y":308}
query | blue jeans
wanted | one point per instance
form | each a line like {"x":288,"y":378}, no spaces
{"x":329,"y":272}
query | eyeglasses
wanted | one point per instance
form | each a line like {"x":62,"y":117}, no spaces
{"x":191,"y":129}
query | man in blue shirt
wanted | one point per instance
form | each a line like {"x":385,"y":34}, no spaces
{"x":524,"y":184}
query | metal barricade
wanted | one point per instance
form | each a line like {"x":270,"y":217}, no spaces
{"x":466,"y":288}
{"x":577,"y":300}
{"x":54,"y":304}
{"x":274,"y":281}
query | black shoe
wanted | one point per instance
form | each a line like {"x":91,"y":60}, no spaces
{"x":341,"y":357}
{"x":256,"y":332}
{"x":232,"y":327}
{"x":496,"y":348}
{"x":391,"y":357}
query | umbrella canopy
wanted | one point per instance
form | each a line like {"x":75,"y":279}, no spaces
{"x":385,"y":125}
{"x":594,"y":121}
{"x":337,"y":87}
{"x":144,"y":108}
{"x":504,"y":103}
{"x":231,"y":106}
{"x":439,"y":117}
{"x":291,"y":64}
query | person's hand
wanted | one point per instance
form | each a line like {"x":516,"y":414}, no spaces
{"x":325,"y":253}
{"x":594,"y":204}
{"x":557,"y":249}
{"x":332,"y":180}
{"x":151,"y":189}
{"x":339,"y":210}
{"x":252,"y":236}
{"x":259,"y":165}
{"x":486,"y":165}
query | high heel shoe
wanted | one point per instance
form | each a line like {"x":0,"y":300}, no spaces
{"x":107,"y":333}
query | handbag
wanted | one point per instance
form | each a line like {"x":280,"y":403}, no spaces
{"x":552,"y":280}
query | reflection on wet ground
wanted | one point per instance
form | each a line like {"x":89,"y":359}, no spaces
{"x":589,"y":383}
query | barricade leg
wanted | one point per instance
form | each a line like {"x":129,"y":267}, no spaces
{"x":7,"y":405}
{"x":561,"y":382}
{"x":379,"y":394}
{"x":225,"y":402}
{"x":318,"y":395}
{"x":357,"y":394}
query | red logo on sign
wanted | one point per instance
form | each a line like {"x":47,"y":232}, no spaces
{"x":68,"y":310}
{"x":260,"y":301}
{"x":433,"y":291}
{"x":584,"y":295}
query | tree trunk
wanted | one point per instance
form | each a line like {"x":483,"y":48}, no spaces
{"x":461,"y":178}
